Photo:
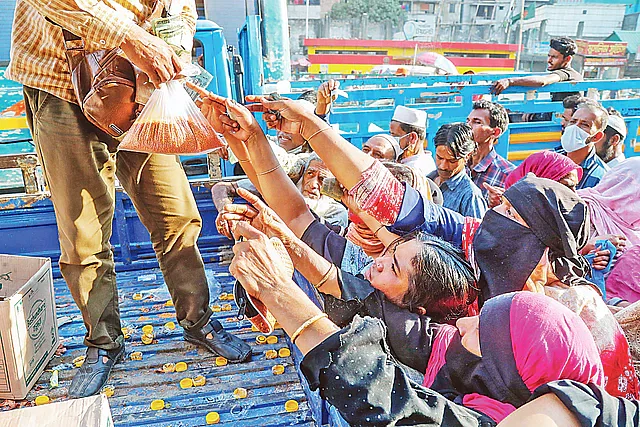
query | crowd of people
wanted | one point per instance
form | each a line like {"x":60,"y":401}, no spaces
{"x":477,"y":293}
{"x":453,"y":290}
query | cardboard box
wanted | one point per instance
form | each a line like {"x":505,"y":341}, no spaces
{"x":28,"y":325}
{"x":91,"y":411}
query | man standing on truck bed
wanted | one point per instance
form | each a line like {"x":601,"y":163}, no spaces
{"x":80,"y":166}
{"x":561,"y":51}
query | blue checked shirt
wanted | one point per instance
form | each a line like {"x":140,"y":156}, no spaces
{"x":493,"y":170}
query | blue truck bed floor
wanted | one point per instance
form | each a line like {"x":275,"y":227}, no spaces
{"x":138,"y":382}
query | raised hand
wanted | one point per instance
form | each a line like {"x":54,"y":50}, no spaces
{"x":284,"y":115}
{"x":257,"y":264}
{"x":212,"y":106}
{"x":326,"y":96}
{"x":495,"y":194}
{"x":258,"y":214}
{"x":226,"y":115}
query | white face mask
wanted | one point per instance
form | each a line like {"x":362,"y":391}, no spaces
{"x":574,"y":138}
{"x":402,"y":150}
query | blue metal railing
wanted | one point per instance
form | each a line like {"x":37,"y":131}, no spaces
{"x":447,"y":100}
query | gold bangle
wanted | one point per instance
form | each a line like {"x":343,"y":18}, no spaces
{"x":244,"y":161}
{"x":269,"y":171}
{"x":306,"y":324}
{"x":316,"y":133}
{"x":325,"y":277}
{"x":375,"y":233}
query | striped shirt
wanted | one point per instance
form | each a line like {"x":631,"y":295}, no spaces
{"x":38,"y":57}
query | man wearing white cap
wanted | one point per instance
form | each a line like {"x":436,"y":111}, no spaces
{"x":609,"y":148}
{"x":409,"y":127}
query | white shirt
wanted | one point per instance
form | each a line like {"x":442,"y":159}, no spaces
{"x":422,"y":162}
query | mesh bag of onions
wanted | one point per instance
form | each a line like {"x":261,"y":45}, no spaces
{"x":171,"y":123}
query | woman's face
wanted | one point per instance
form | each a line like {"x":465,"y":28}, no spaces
{"x":469,"y":328}
{"x":390,"y":272}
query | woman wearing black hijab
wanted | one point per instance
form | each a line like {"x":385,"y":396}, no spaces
{"x":531,"y":242}
{"x":536,"y":214}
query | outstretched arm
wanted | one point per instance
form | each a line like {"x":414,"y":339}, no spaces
{"x":314,"y":267}
{"x":344,"y":160}
{"x":529,"y":81}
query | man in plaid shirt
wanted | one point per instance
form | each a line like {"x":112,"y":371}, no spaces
{"x":80,"y":165}
{"x":488,"y":121}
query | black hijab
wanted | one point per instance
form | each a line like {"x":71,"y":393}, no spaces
{"x":507,"y":252}
{"x":559,"y":219}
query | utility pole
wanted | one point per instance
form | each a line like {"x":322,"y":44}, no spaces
{"x":306,"y":23}
{"x":520,"y":31}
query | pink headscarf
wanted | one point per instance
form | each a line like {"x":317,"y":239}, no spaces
{"x":543,"y":164}
{"x":614,"y":204}
{"x":624,"y":280}
{"x":548,"y":342}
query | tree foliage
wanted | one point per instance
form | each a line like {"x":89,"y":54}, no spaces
{"x":377,"y":10}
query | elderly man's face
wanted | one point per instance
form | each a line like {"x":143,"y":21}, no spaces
{"x":378,"y":148}
{"x":289,"y":141}
{"x":312,"y":179}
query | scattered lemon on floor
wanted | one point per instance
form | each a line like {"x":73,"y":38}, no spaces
{"x":199,"y":381}
{"x":181,"y":367}
{"x":186,"y":383}
{"x":108,"y":390}
{"x":146,"y":338}
{"x":240,"y":393}
{"x":78,"y":361}
{"x":284,"y":352}
{"x":170,"y":326}
{"x":272,"y":339}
